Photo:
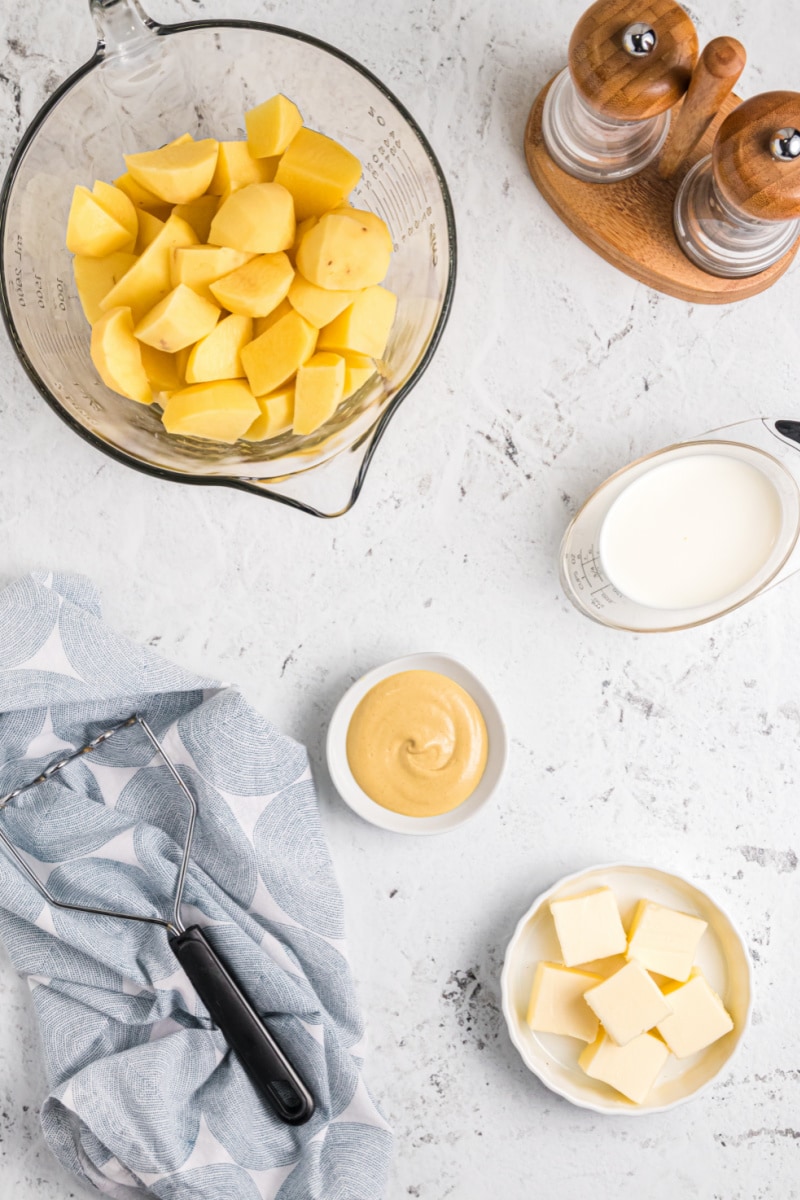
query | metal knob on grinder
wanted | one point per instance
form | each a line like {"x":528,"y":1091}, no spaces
{"x":738,"y":209}
{"x":606,"y":115}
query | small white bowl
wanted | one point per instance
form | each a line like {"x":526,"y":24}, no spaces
{"x":722,"y":957}
{"x":358,"y":799}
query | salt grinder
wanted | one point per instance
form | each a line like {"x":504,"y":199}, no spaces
{"x":607,"y":114}
{"x":738,"y":209}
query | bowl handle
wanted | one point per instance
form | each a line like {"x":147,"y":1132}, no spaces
{"x":329,"y":490}
{"x":123,"y":27}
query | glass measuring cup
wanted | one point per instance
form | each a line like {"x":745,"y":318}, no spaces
{"x":772,"y":447}
{"x":146,"y":84}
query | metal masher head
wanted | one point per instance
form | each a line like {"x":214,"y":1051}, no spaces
{"x":269,"y":1069}
{"x":173,"y":925}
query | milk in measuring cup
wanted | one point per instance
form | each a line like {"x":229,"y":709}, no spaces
{"x":690,"y":531}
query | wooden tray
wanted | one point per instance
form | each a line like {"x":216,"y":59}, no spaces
{"x":629,"y":223}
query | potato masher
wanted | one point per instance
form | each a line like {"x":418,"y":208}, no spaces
{"x":245,"y":1032}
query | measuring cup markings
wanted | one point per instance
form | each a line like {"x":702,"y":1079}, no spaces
{"x":587,"y":574}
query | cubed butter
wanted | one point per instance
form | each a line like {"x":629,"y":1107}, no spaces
{"x":631,"y":1070}
{"x":664,"y":940}
{"x":698,"y":1017}
{"x":628,"y":1003}
{"x":557,"y":1004}
{"x":588,"y":927}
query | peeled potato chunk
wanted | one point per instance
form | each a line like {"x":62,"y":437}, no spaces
{"x":371,"y":220}
{"x":318,"y":172}
{"x":166,"y":372}
{"x":199,"y":266}
{"x":271,"y":126}
{"x":275,"y":356}
{"x":149,"y":279}
{"x":344,"y":254}
{"x":177,"y":173}
{"x":117,"y":205}
{"x":358,"y":370}
{"x":142,"y":197}
{"x":318,"y":305}
{"x":256,"y":288}
{"x":92,"y":230}
{"x":262,"y":324}
{"x":180,"y":319}
{"x":300,"y":232}
{"x":364,"y":327}
{"x":117,"y":357}
{"x":236,"y":168}
{"x":219,"y":354}
{"x":149,"y":229}
{"x":258,"y":218}
{"x":222,"y":411}
{"x":277,"y":411}
{"x":95,"y":277}
{"x":199,"y":214}
{"x":318,"y":391}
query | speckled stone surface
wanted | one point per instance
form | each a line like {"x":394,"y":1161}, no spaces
{"x":679,"y":750}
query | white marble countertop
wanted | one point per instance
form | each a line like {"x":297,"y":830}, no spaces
{"x":680,"y":750}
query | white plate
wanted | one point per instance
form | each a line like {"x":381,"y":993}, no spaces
{"x":360,"y":802}
{"x":721,"y":956}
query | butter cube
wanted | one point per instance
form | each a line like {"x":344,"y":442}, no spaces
{"x":631,"y":1069}
{"x":663,"y":940}
{"x":698,"y":1017}
{"x":588,"y":927}
{"x":628,"y":1003}
{"x":557,"y":1004}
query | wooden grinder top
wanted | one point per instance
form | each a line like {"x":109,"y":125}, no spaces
{"x":747,"y":174}
{"x":616,"y":84}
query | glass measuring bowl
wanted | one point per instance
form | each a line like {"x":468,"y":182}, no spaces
{"x":146,"y":84}
{"x":772,"y":447}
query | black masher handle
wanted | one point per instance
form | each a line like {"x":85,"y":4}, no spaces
{"x":242,"y":1028}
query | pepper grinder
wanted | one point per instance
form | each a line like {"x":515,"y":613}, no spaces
{"x":738,"y":209}
{"x":606,"y":116}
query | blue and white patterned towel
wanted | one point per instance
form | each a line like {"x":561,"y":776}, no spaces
{"x":146,"y":1097}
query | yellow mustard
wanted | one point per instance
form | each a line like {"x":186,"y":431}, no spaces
{"x":417,"y":744}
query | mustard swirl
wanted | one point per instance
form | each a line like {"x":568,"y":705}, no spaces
{"x":417,"y":744}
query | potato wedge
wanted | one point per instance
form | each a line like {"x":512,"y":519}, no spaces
{"x":222,"y":411}
{"x":179,"y":172}
{"x":117,"y":357}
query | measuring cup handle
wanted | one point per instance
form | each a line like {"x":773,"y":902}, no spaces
{"x":262,"y":1058}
